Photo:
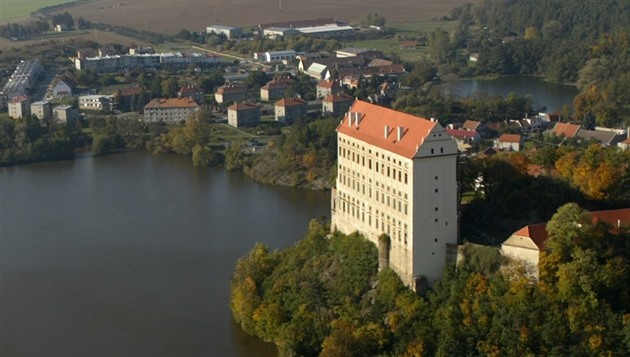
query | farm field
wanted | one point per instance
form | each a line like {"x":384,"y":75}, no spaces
{"x":166,"y":16}
{"x":18,"y":10}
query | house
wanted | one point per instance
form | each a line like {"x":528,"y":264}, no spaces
{"x":229,"y":93}
{"x":96,"y":102}
{"x":527,"y":243}
{"x":275,"y":89}
{"x":408,"y":45}
{"x":169,"y":110}
{"x":510,"y":142}
{"x":62,"y":87}
{"x":396,"y":185}
{"x":624,"y":145}
{"x":243,"y":114}
{"x":287,"y":110}
{"x":42,"y":110}
{"x":472,"y":125}
{"x":318,"y":71}
{"x":328,"y":87}
{"x":193,"y":91}
{"x":65,"y":114}
{"x":228,"y":31}
{"x":566,"y":129}
{"x":604,"y":137}
{"x":19,"y":107}
{"x":336,"y":103}
{"x":464,"y":137}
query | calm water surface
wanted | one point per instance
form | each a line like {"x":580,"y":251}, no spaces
{"x":550,"y":95}
{"x":131,"y":255}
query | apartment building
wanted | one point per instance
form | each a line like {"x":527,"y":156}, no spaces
{"x":170,"y":110}
{"x":397,"y":175}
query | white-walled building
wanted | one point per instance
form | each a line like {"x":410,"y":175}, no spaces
{"x":169,"y":110}
{"x":42,"y":110}
{"x":397,"y":175}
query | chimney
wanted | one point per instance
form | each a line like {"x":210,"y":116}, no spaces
{"x":356,"y":118}
{"x":401,"y":131}
{"x":350,"y":119}
{"x":386,"y":131}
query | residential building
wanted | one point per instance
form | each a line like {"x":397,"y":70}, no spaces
{"x":22,"y":79}
{"x":62,"y":88}
{"x":229,"y":93}
{"x":19,"y":107}
{"x":243,"y":114}
{"x":566,"y":129}
{"x":228,"y":31}
{"x":275,"y":89}
{"x":42,"y":110}
{"x":115,"y":63}
{"x":336,"y":103}
{"x":527,"y":243}
{"x":193,"y":91}
{"x":472,"y":125}
{"x":287,"y":110}
{"x":464,"y":138}
{"x":96,"y":102}
{"x":624,"y":145}
{"x":169,"y":110}
{"x":510,"y":142}
{"x":65,"y":114}
{"x":327,"y":87}
{"x":397,"y":175}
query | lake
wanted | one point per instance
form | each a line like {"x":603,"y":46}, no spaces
{"x":131,"y":255}
{"x":544,"y":94}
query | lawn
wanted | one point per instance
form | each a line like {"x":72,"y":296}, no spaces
{"x":406,"y":29}
{"x":20,"y":9}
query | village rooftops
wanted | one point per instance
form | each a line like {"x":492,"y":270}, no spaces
{"x":463,"y":134}
{"x":510,"y":138}
{"x":471,"y":125}
{"x":171,"y":103}
{"x":394,"y":131}
{"x":327,"y":83}
{"x":225,"y":89}
{"x":566,"y":129}
{"x":277,"y":83}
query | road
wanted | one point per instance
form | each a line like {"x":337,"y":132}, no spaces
{"x":242,"y":59}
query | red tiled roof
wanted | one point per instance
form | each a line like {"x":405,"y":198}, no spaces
{"x":510,"y":138}
{"x":612,"y":217}
{"x":277,"y":83}
{"x":190,"y":88}
{"x":230,"y":89}
{"x":471,"y":125}
{"x":129,"y":91}
{"x":289,"y":102}
{"x":462,"y":133}
{"x":372,"y":121}
{"x":338,"y":98}
{"x":566,"y":129}
{"x":536,"y":232}
{"x":242,"y":106}
{"x":172,"y":103}
{"x":328,"y":84}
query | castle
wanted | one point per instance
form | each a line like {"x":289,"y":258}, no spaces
{"x":397,"y":180}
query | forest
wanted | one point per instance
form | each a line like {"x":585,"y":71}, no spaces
{"x":324,"y":296}
{"x":582,"y":42}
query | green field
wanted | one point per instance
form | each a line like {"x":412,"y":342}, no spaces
{"x":20,"y":9}
{"x":408,"y":30}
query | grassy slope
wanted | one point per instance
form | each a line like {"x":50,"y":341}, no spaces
{"x":21,"y":9}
